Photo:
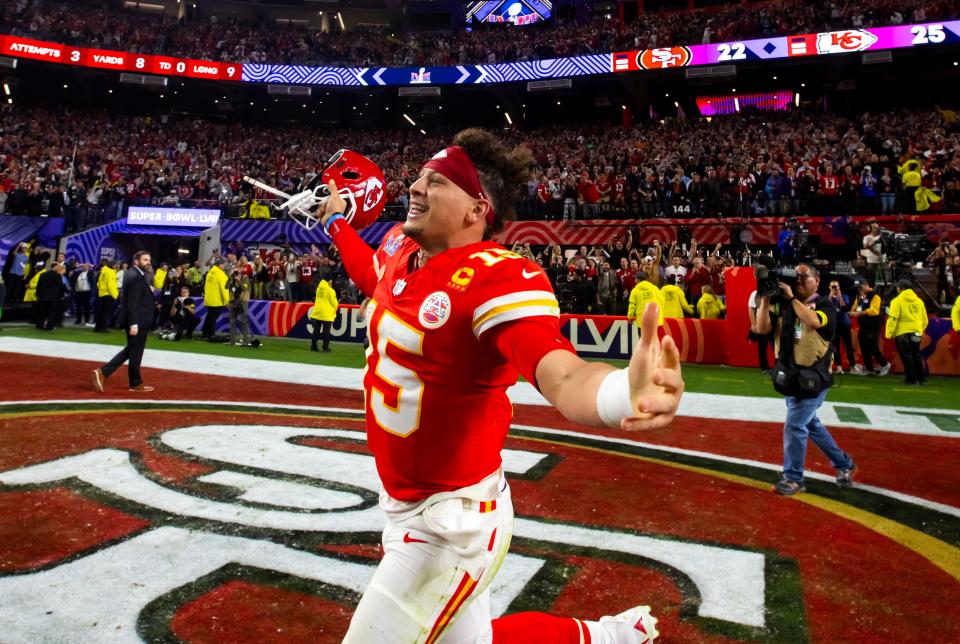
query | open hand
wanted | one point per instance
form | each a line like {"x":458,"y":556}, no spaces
{"x":656,"y":383}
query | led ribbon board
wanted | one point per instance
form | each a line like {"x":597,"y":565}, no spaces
{"x":780,"y":47}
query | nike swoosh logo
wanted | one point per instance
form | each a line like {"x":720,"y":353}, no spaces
{"x":408,"y":539}
{"x":530,"y":274}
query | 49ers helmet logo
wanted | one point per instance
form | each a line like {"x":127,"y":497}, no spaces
{"x":664,"y":57}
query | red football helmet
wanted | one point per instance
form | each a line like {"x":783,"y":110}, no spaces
{"x":359,"y":181}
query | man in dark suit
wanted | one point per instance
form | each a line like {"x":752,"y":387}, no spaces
{"x":50,"y":293}
{"x":136,"y":316}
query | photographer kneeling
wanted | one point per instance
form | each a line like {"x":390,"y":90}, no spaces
{"x":803,"y":326}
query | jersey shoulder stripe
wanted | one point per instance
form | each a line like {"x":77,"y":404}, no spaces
{"x":514,"y":306}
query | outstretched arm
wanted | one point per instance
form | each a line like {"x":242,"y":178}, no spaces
{"x":358,"y":258}
{"x":644,"y":396}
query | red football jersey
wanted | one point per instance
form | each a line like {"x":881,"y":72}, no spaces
{"x":435,"y":383}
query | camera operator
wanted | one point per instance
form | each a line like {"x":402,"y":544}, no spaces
{"x":803,"y":325}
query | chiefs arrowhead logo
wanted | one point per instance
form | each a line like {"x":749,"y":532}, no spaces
{"x":373,"y":192}
{"x":664,"y":58}
{"x":838,"y":42}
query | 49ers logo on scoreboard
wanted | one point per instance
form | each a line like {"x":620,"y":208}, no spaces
{"x":664,"y":58}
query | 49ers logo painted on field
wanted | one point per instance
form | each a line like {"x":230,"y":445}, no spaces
{"x":253,"y":521}
{"x":664,"y":58}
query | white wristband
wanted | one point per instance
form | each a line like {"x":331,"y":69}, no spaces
{"x":613,"y":398}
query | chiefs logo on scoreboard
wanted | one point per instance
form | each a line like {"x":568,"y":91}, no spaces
{"x":840,"y":42}
{"x":664,"y":58}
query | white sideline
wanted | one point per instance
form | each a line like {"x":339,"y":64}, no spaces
{"x":699,"y":405}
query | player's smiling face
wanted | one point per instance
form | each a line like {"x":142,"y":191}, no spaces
{"x":437,"y":210}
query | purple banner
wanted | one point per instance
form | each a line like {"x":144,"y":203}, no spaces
{"x":157,"y":216}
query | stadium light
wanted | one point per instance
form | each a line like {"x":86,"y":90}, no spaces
{"x":796,"y":99}
{"x":407,"y":116}
{"x":10,"y":101}
{"x":509,"y":120}
{"x":676,"y":104}
{"x":6,"y":89}
{"x":736,"y":103}
{"x":955,"y":63}
{"x":774,"y":78}
{"x":423,"y":132}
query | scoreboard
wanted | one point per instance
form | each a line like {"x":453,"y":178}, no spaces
{"x":927,"y":36}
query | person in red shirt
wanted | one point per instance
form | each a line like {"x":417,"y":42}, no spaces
{"x":454,"y":318}
{"x":308,"y":267}
{"x":620,"y":190}
{"x":697,"y":277}
{"x":603,"y":188}
{"x":588,"y":196}
{"x":829,"y":188}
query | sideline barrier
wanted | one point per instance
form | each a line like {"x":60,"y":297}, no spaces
{"x":611,"y":337}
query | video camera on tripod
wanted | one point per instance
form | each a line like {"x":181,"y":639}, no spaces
{"x":901,"y":247}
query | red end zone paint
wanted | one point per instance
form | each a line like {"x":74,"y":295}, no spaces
{"x":42,"y":527}
{"x":240,"y":611}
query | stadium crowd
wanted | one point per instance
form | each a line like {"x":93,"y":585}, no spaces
{"x":747,"y":164}
{"x":110,"y":28}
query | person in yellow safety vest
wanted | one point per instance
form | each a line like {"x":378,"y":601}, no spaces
{"x":709,"y":307}
{"x":31,"y":294}
{"x":107,"y":294}
{"x":323,"y":313}
{"x":906,"y":322}
{"x":674,"y":300}
{"x":641,"y":294}
{"x":259,"y":210}
{"x":911,"y":180}
{"x":955,"y":315}
{"x":160,"y":275}
{"x":215,"y":296}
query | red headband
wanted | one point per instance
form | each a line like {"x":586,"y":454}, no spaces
{"x":455,"y":165}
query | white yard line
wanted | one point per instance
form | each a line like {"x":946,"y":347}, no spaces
{"x":905,"y":420}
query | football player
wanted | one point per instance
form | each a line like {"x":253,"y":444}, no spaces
{"x":453,"y":319}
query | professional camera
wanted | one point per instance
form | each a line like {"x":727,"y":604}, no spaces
{"x":769,"y":276}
